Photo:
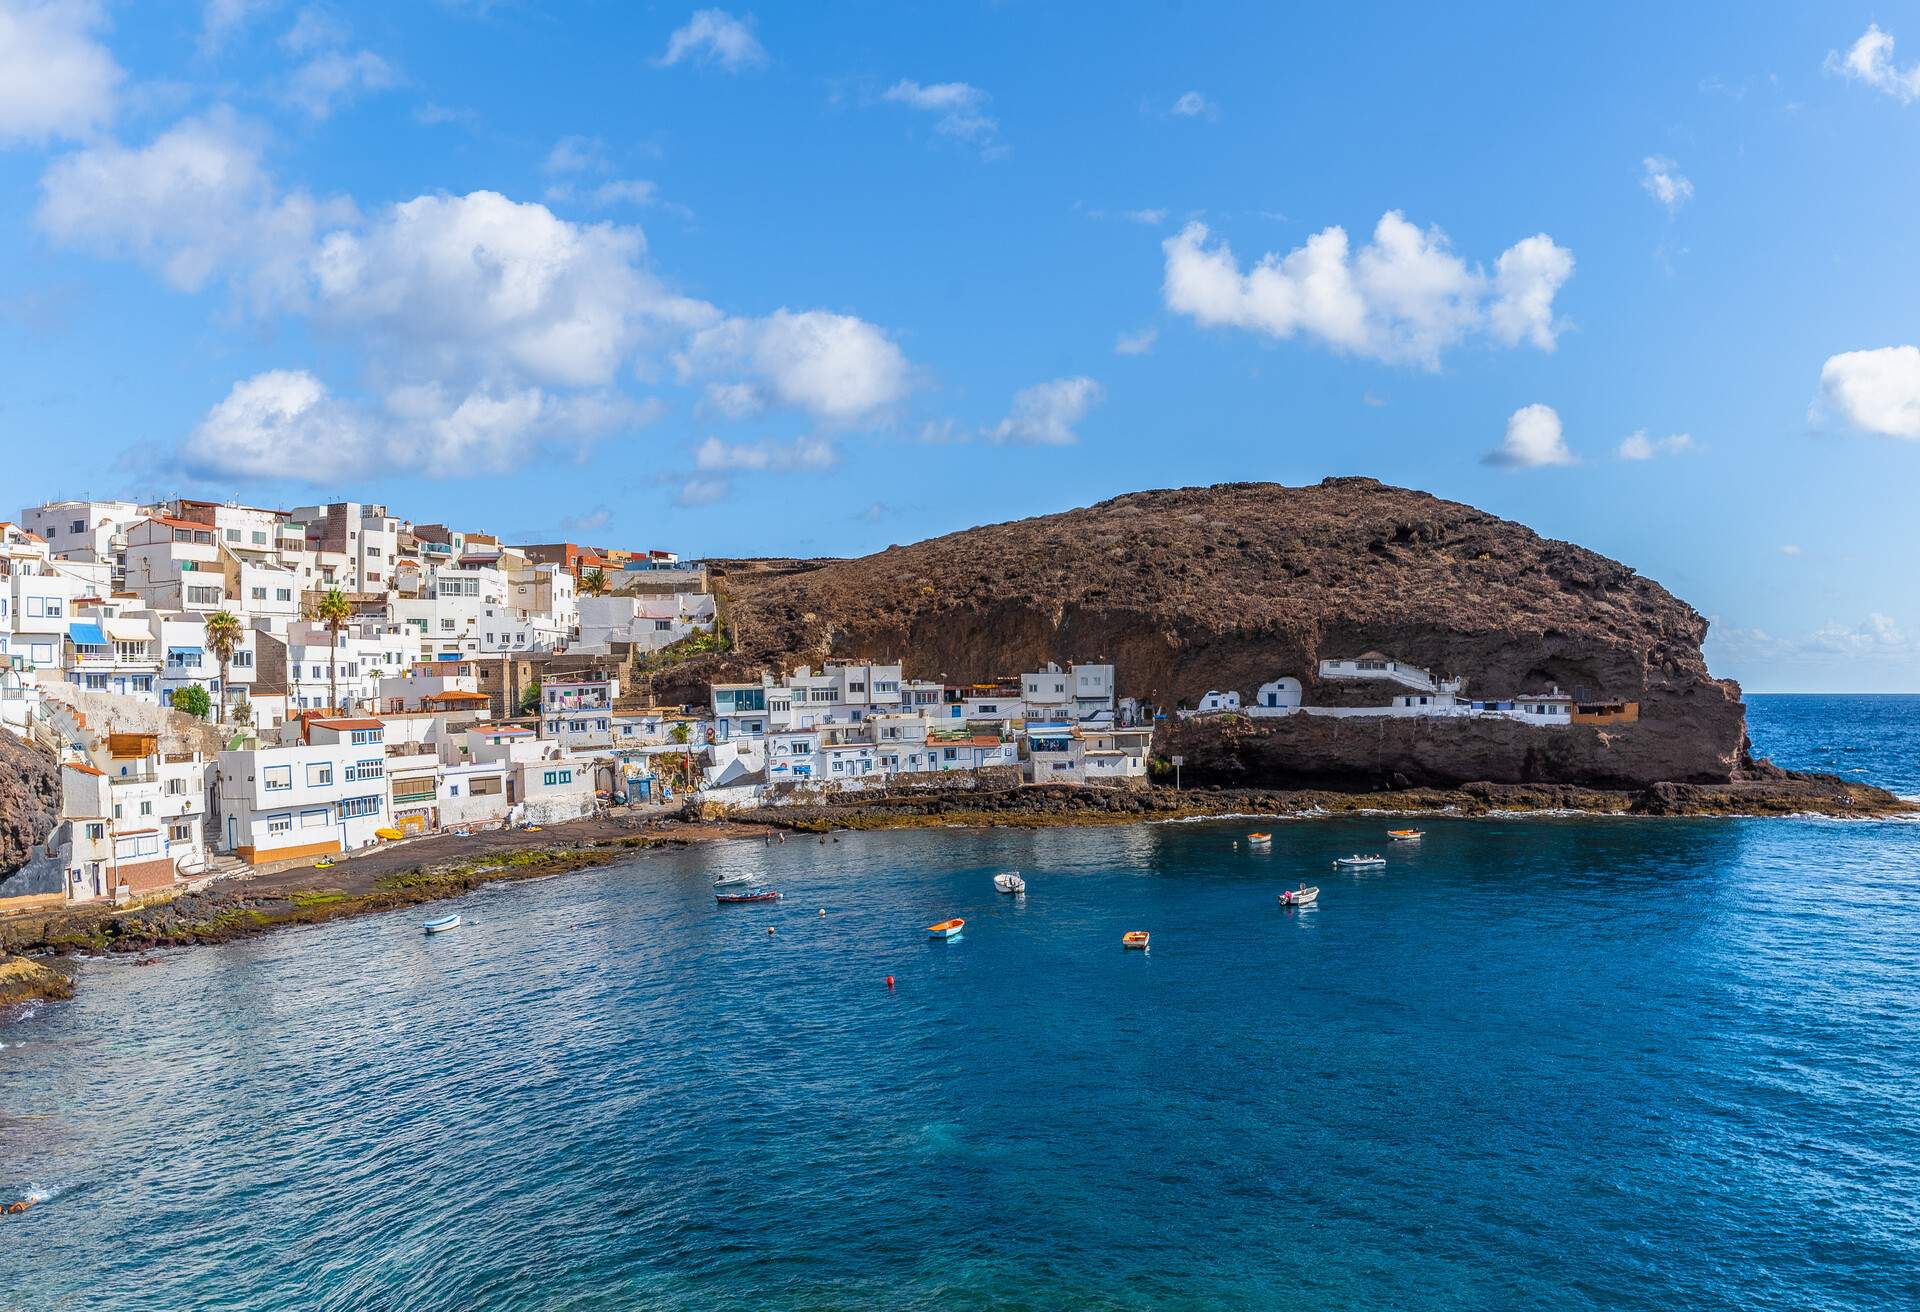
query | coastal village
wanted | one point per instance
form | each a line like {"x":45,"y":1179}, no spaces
{"x":229,"y":688}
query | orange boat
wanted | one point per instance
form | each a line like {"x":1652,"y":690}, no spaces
{"x":1134,"y":939}
{"x":1406,"y":835}
{"x":946,"y":929}
{"x":1258,"y":839}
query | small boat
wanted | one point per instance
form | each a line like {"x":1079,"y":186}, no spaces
{"x":441,"y":924}
{"x":751,"y":895}
{"x":324,"y":863}
{"x":1009,"y":881}
{"x":1300,"y":897}
{"x":1356,"y":860}
{"x":1406,"y":835}
{"x":1136,"y":938}
{"x":389,"y":833}
{"x":1259,"y":840}
{"x":946,"y":929}
{"x":731,"y":881}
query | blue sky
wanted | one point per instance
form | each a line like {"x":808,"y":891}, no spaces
{"x":814,"y":279}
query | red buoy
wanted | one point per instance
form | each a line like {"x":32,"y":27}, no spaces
{"x":889,"y":981}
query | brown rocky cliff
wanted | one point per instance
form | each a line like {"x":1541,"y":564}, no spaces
{"x":1230,"y":586}
{"x":29,"y":799}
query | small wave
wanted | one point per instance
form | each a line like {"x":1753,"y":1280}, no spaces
{"x":1311,"y":813}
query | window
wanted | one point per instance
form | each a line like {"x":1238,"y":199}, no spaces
{"x":362,"y":737}
{"x":277,"y":777}
{"x":662,"y":626}
{"x":96,"y":832}
{"x":316,"y":818}
{"x":143,"y":683}
{"x":279,"y":824}
{"x":176,"y":787}
{"x":258,"y":594}
{"x":557,"y":777}
{"x":355,"y":807}
{"x":233,"y":535}
{"x":180,"y":833}
{"x":79,"y":526}
{"x":283,"y":594}
{"x":856,"y":687}
{"x":146,"y":807}
{"x":259,"y":538}
{"x":203,"y":596}
{"x":362,"y":770}
{"x":319,"y":774}
{"x":242,"y":660}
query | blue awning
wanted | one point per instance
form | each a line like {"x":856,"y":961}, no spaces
{"x":86,"y":635}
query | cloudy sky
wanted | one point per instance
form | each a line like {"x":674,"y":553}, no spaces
{"x":814,"y":279}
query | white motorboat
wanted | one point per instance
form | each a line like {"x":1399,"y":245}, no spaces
{"x":1300,"y":897}
{"x":733,"y":881}
{"x":1009,"y":881}
{"x":441,"y":924}
{"x":1356,"y":861}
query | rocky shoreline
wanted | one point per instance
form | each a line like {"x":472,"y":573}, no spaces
{"x":1767,"y":792}
{"x":434,"y":869}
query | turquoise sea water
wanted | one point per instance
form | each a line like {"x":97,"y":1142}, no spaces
{"x":1542,"y":1063}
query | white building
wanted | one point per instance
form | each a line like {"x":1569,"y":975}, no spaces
{"x":328,"y":794}
{"x":1085,"y":754}
{"x":644,"y":621}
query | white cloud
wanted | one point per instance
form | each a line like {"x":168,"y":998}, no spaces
{"x":1140,"y":343}
{"x":286,"y":424}
{"x":735,"y":400}
{"x":1192,"y":104}
{"x":1870,"y":60}
{"x":328,"y":81}
{"x":1526,"y":278}
{"x":1150,"y":218}
{"x":1791,"y":549}
{"x":591,"y":521}
{"x":1661,"y":179}
{"x":56,"y":80}
{"x":314,"y":29}
{"x":220,"y":19}
{"x":713,"y":36}
{"x":576,"y":155}
{"x":1875,"y":391}
{"x":1638,"y":446}
{"x":960,"y":110}
{"x":1405,"y":296}
{"x":833,"y":366}
{"x":703,"y":490}
{"x":1533,"y":440}
{"x":194,"y":203}
{"x":483,"y":283}
{"x":803,"y":453}
{"x":1047,"y":413}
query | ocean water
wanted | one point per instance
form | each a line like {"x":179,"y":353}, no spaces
{"x":1533,"y":1063}
{"x":1870,"y":737}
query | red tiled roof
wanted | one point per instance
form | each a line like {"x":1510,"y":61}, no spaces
{"x":85,"y":769}
{"x":348,"y":724}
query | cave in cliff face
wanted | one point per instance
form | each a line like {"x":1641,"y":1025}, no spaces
{"x":1226,"y":588}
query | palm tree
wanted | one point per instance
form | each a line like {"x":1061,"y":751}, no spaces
{"x":223,"y":635}
{"x":333,"y":610}
{"x":594,"y":583}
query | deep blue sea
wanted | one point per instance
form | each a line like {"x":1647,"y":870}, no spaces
{"x":1540,"y":1063}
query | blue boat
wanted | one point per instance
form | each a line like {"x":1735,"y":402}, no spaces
{"x":441,"y":924}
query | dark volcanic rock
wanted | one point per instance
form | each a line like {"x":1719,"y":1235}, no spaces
{"x":29,"y":800}
{"x":1228,"y":587}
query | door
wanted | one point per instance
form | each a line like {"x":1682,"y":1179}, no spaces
{"x":229,"y":833}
